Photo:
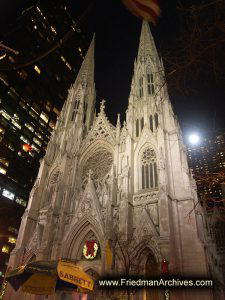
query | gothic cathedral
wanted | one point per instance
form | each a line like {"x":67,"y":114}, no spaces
{"x":124,"y":190}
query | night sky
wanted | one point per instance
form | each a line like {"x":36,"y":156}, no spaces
{"x":117,"y":39}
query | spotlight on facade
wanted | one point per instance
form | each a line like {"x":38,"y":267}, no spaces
{"x":194,"y":139}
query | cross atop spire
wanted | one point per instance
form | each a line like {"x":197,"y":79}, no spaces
{"x":147,"y":45}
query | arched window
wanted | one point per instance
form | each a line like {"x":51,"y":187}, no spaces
{"x":149,"y":177}
{"x":141,"y":87}
{"x":142,"y":123}
{"x":75,"y":109}
{"x":156,"y":120}
{"x":150,"y":84}
{"x":137,"y":128}
{"x":151,"y":123}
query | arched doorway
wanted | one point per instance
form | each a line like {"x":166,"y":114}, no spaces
{"x":151,"y":271}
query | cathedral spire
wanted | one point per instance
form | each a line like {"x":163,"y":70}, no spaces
{"x":147,"y":45}
{"x":86,"y":73}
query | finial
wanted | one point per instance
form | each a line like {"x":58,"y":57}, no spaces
{"x":90,"y":173}
{"x":102,"y":106}
{"x":118,"y":120}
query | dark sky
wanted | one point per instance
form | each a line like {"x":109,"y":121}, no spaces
{"x":117,"y":38}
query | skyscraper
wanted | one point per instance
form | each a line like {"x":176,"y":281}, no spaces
{"x":207,"y":161}
{"x":124,"y":188}
{"x":33,"y":86}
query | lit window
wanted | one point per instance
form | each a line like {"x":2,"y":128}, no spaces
{"x":52,"y":124}
{"x":10,"y":147}
{"x":2,"y":130}
{"x":56,"y":111}
{"x":22,"y":74}
{"x":42,"y":123}
{"x":37,"y":70}
{"x":35,"y":148}
{"x":12,"y":95}
{"x":16,"y":124}
{"x":53,"y":30}
{"x":44,"y":117}
{"x":37,"y":141}
{"x":63,"y":59}
{"x":29,"y":127}
{"x":24,"y":139}
{"x":48,"y":108}
{"x":12,"y":240}
{"x":33,"y":114}
{"x":11,"y":59}
{"x":35,"y":27}
{"x":22,"y":104}
{"x":2,"y":171}
{"x":8,"y":194}
{"x":38,"y":134}
{"x":5,"y":114}
{"x":21,"y":201}
{"x":4,"y":161}
{"x":3,"y":80}
{"x":68,"y":66}
{"x":1,"y":274}
{"x":31,"y":154}
{"x":5,"y":249}
{"x":79,"y":49}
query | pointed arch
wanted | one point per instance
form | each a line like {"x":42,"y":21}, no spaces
{"x":77,"y":234}
{"x":142,"y":123}
{"x":77,"y":100}
{"x":150,"y":81}
{"x":148,"y":166}
{"x":137,"y":128}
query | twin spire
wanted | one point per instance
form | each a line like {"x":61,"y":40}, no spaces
{"x":146,"y":48}
{"x":85,"y":77}
{"x":147,"y":45}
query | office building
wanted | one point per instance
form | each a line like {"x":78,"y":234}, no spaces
{"x":33,"y":87}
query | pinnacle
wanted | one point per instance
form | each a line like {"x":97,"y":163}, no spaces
{"x":147,"y":45}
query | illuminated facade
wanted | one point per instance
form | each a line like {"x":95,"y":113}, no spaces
{"x":107,"y":195}
{"x":31,"y":98}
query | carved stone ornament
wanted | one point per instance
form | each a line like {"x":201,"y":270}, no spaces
{"x":145,"y":198}
{"x":148,"y":156}
{"x":102,"y":129}
{"x":100,"y":163}
{"x":54,"y":177}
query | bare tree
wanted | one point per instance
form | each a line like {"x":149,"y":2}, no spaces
{"x":200,"y":45}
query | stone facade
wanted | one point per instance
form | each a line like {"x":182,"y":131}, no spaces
{"x":126,"y":186}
